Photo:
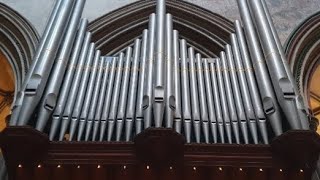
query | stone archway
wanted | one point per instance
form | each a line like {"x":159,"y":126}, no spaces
{"x":18,"y":40}
{"x":207,"y":32}
{"x":302,"y":49}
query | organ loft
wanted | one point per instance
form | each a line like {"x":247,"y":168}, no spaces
{"x":159,"y":90}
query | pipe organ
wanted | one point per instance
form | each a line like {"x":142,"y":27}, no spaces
{"x":159,"y":108}
{"x":244,"y":95}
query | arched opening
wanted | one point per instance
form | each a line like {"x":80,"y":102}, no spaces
{"x":206,"y":31}
{"x":18,"y":40}
{"x":302,"y":49}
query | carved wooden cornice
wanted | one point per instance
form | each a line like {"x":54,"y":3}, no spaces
{"x":292,"y":154}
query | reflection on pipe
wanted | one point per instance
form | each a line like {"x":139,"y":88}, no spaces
{"x":160,"y":81}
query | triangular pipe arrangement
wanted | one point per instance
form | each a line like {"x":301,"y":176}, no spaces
{"x":245,"y":96}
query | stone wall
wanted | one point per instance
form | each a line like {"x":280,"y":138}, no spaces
{"x":287,"y":14}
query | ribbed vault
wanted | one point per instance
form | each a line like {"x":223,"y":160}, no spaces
{"x":207,"y":32}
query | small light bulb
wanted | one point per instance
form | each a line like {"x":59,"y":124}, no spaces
{"x":240,"y":169}
{"x":78,"y":166}
{"x":98,"y":166}
{"x":171,"y":168}
{"x":124,"y":167}
{"x":148,"y":167}
{"x":194,"y":168}
{"x":280,"y":170}
{"x":220,"y":168}
{"x":39,"y":166}
{"x":59,"y":166}
{"x":20,"y":166}
{"x":301,"y":170}
{"x":260,"y":170}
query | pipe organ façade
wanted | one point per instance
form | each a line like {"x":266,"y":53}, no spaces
{"x":245,"y":95}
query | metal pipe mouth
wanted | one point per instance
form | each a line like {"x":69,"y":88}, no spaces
{"x":177,"y":119}
{"x":129,"y":119}
{"x":139,"y":118}
{"x":30,"y":91}
{"x":244,"y":121}
{"x":49,"y":107}
{"x":55,"y":116}
{"x":172,"y":106}
{"x":158,"y":99}
{"x":196,"y":121}
{"x":96,"y":120}
{"x":262,"y":120}
{"x":289,"y":95}
{"x":269,"y":110}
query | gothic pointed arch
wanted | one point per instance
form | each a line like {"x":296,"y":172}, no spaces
{"x":206,"y":31}
{"x":18,"y":40}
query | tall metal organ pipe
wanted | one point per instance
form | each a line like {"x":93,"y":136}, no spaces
{"x":269,"y":100}
{"x":161,"y":81}
{"x":133,"y":87}
{"x":169,"y":91}
{"x":177,"y":82}
{"x":148,"y":84}
{"x":67,"y":111}
{"x":301,"y":104}
{"x":283,"y":87}
{"x":38,"y":80}
{"x":49,"y":99}
{"x":141,"y":84}
{"x":20,"y":95}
